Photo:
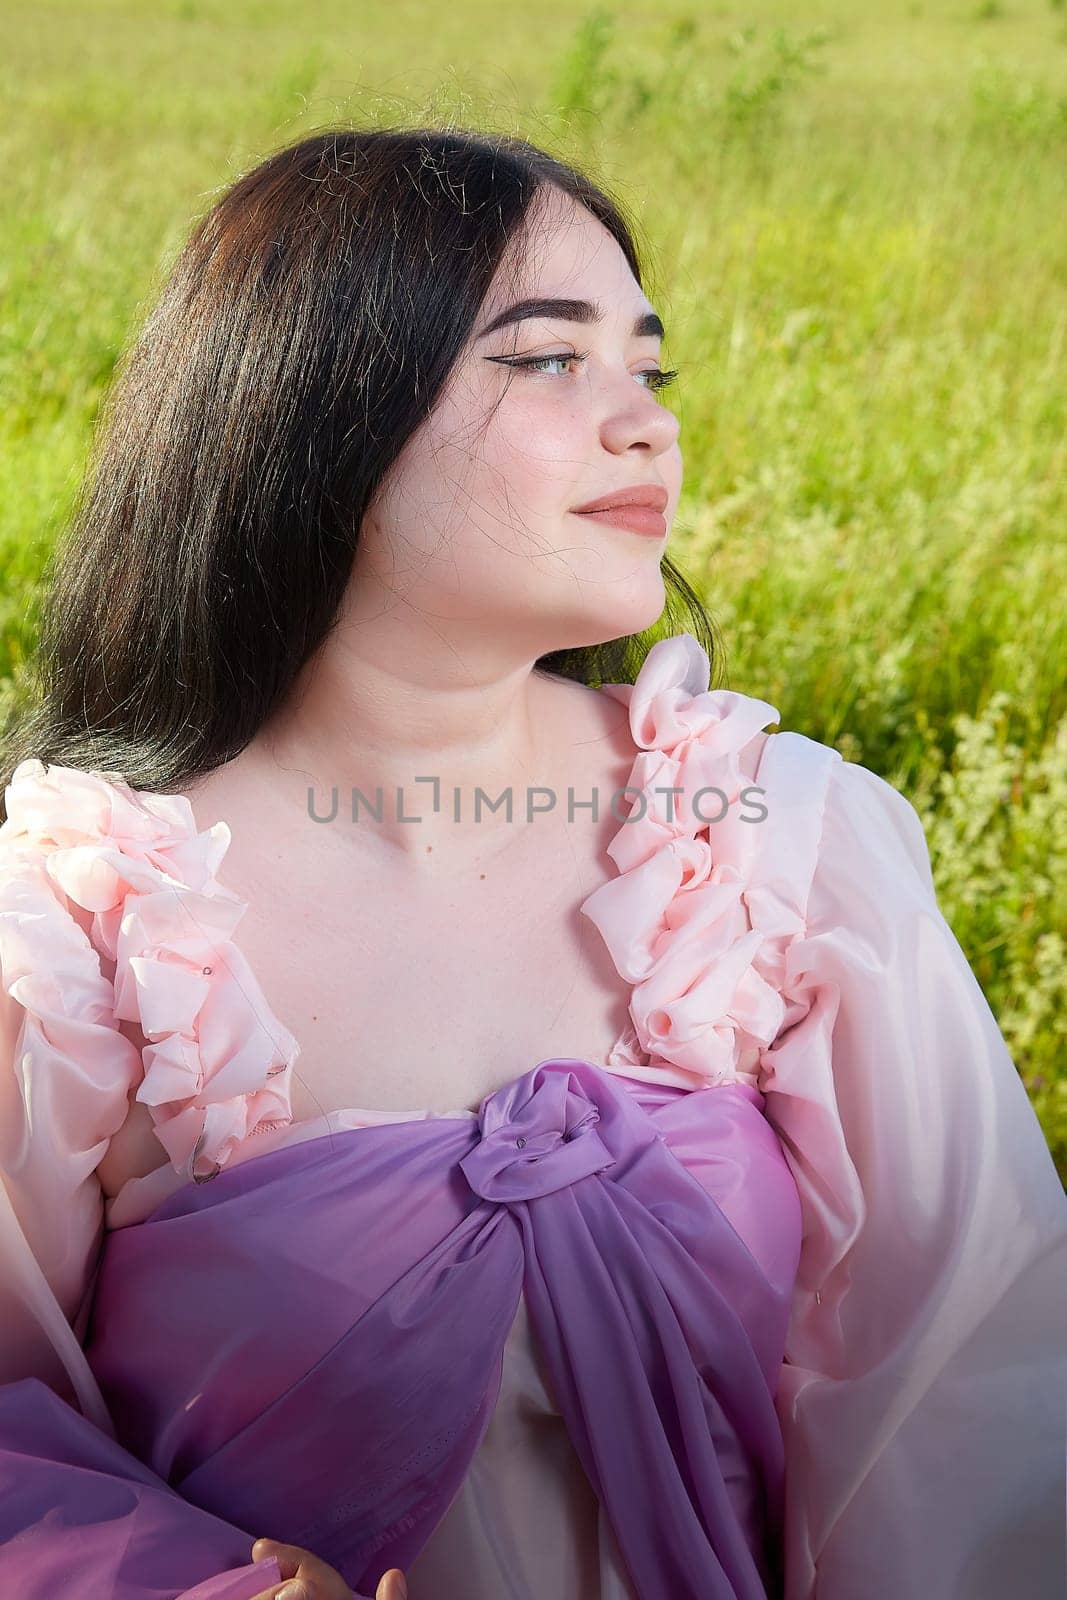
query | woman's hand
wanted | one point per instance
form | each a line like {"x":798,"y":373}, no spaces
{"x":314,"y":1578}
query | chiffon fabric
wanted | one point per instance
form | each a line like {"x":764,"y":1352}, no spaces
{"x":772,"y":1301}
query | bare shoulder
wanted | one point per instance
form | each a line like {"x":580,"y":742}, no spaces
{"x":585,"y":716}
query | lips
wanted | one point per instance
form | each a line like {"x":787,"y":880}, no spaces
{"x":639,"y":508}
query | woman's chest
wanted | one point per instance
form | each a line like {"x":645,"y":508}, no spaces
{"x":406,"y":998}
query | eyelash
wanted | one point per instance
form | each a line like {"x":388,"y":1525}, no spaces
{"x":660,"y":378}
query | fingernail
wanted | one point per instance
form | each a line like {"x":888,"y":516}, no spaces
{"x":401,"y":1587}
{"x":293,"y":1591}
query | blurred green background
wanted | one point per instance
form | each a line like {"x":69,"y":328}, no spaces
{"x":857,"y":231}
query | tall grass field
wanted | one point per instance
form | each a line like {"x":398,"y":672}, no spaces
{"x":855,"y":218}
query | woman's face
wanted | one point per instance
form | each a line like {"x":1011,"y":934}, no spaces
{"x":474,"y":526}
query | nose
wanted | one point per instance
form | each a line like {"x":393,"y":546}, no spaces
{"x":538,"y":1134}
{"x":639,"y":419}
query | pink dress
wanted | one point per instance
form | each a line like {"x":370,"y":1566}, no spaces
{"x":817,"y":988}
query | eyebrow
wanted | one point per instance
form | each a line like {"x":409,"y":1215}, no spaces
{"x":647,"y":325}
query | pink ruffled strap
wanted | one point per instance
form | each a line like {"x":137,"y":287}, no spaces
{"x":218,"y":1062}
{"x":707,"y":899}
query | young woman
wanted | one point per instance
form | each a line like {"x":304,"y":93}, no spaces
{"x":478,"y":1108}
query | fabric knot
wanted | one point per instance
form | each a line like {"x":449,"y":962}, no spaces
{"x":538,"y":1134}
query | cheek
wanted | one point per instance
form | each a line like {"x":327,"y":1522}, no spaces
{"x":537,"y":452}
{"x":512,"y":470}
{"x":540,"y":420}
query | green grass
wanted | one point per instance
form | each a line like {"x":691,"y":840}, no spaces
{"x":860,"y":250}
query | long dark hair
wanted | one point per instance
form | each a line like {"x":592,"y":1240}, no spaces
{"x":305,"y":331}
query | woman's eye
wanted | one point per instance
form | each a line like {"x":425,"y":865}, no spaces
{"x":540,"y":361}
{"x":658,"y":379}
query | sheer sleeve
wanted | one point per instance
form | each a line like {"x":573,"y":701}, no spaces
{"x":924,"y":1394}
{"x":79,"y":1514}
